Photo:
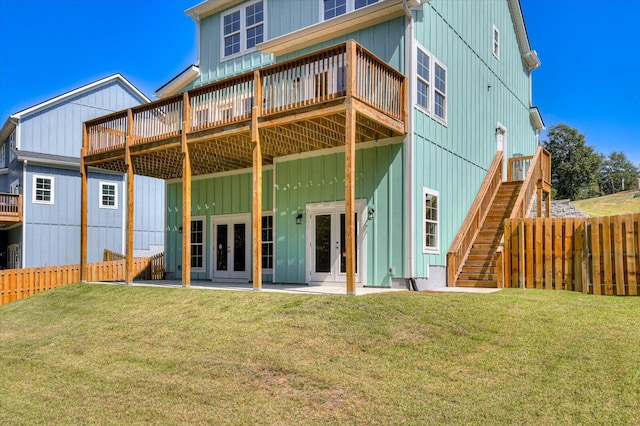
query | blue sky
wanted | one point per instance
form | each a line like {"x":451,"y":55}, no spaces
{"x":588,"y":78}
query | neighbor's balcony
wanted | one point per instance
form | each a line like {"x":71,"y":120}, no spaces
{"x":301,"y":107}
{"x":10,"y":209}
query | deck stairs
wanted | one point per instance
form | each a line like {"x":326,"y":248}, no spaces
{"x":479,"y":269}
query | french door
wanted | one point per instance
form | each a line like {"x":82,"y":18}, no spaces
{"x":231,"y":253}
{"x":326,"y":248}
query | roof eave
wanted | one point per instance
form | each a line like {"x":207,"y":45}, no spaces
{"x":178,"y":82}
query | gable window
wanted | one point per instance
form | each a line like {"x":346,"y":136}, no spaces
{"x":496,"y":42}
{"x":431,"y":221}
{"x":43,"y":187}
{"x":242,"y":29}
{"x":267,"y":242}
{"x":108,"y":195}
{"x":197,"y":244}
{"x":431,"y":85}
{"x":333,"y":8}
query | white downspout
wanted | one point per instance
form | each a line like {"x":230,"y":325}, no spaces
{"x":409,"y":177}
{"x":24,"y":211}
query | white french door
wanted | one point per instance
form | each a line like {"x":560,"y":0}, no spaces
{"x":231,"y":248}
{"x":326,"y":248}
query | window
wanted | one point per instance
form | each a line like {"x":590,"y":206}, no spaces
{"x":242,"y":29}
{"x":267,"y":242}
{"x":496,"y":42}
{"x":43,"y":189}
{"x":333,"y":8}
{"x":2,"y":156}
{"x":431,"y":221}
{"x":108,"y":195}
{"x":12,"y":146}
{"x":431,"y":85}
{"x":197,"y":245}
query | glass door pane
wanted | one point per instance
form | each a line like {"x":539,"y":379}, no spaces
{"x":323,"y":243}
{"x":343,"y":243}
{"x":239,"y":246}
{"x":221,"y":247}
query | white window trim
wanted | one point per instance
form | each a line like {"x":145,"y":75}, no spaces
{"x":203,"y":219}
{"x":495,"y":47}
{"x":436,"y":117}
{"x":53,"y":187}
{"x":273,"y":242}
{"x":115,"y":195}
{"x":425,"y":249}
{"x":430,"y":110}
{"x":3,"y":157}
{"x":351,"y":6}
{"x":243,"y":29}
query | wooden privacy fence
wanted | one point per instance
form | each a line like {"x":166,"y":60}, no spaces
{"x":18,"y":283}
{"x":599,"y":255}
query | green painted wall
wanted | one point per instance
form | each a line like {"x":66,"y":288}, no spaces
{"x":227,"y":194}
{"x":482,"y":91}
{"x":379,"y":180}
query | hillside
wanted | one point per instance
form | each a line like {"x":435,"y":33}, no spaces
{"x":610,"y":205}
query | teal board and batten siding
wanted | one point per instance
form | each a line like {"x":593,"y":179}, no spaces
{"x":221,"y":195}
{"x":385,"y":40}
{"x":482,"y":91}
{"x":318,"y":179}
{"x":52,"y":231}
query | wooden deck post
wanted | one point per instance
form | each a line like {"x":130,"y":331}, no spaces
{"x":83,"y":208}
{"x":257,"y":184}
{"x":349,"y":168}
{"x":186,"y":194}
{"x":130,"y":207}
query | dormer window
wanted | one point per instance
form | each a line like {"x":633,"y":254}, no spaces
{"x":333,"y":8}
{"x":242,"y":29}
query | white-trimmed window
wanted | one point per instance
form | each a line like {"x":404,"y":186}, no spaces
{"x":267,"y":242}
{"x":3,"y":159}
{"x":431,"y":85}
{"x":431,"y":217}
{"x":333,"y":8}
{"x":12,"y":146}
{"x":242,"y":29}
{"x":43,"y":189}
{"x":197,"y":244}
{"x":496,"y":42}
{"x":108,"y":195}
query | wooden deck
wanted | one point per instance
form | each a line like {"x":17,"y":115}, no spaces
{"x":10,"y":209}
{"x":335,"y":97}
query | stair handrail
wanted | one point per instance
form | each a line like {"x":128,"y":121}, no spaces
{"x":538,"y":177}
{"x":462,"y":243}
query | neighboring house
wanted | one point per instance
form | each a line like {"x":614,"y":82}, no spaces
{"x":40,"y":181}
{"x":449,"y":86}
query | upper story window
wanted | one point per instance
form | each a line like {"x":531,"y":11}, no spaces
{"x":431,"y":85}
{"x":496,"y":42}
{"x":333,"y":8}
{"x":3,"y":148}
{"x":242,"y":29}
{"x":43,"y":187}
{"x":108,"y":195}
{"x":12,"y":146}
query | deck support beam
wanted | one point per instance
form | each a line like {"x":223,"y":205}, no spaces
{"x":186,"y":195}
{"x":256,"y":111}
{"x":130,"y":202}
{"x":83,"y":209}
{"x":349,"y":168}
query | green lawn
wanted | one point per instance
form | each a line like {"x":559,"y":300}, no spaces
{"x":610,"y":205}
{"x":106,"y":354}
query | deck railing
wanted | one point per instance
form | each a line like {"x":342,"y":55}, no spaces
{"x":11,"y":207}
{"x":461,"y":245}
{"x":309,"y":80}
{"x":538,"y":177}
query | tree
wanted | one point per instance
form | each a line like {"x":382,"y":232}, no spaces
{"x":574,"y":164}
{"x":614,"y":170}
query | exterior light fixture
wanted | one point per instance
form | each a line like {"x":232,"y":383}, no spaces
{"x":371,"y":213}
{"x":299,"y":218}
{"x":180,"y":230}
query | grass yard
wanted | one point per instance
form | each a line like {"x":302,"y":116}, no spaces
{"x":106,"y":354}
{"x":610,"y":205}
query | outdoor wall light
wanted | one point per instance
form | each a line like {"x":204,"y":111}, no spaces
{"x":180,"y":230}
{"x":371,"y":213}
{"x":299,"y":218}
